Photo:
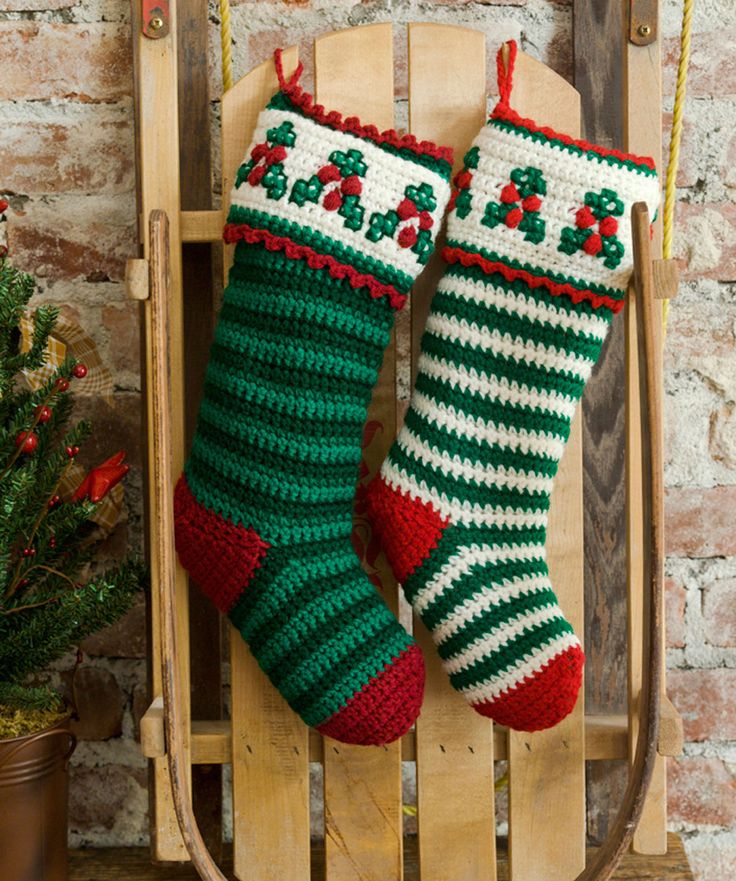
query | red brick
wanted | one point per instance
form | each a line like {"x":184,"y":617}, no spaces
{"x":674,"y":601}
{"x":705,"y":242}
{"x":712,"y":71}
{"x":88,"y":155}
{"x":705,"y":699}
{"x":701,"y":790}
{"x":719,"y":613}
{"x":701,"y":522}
{"x":71,"y":237}
{"x":88,"y":62}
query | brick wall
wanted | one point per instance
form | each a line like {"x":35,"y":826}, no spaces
{"x":66,"y":162}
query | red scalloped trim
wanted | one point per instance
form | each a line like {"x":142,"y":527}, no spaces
{"x":305,"y":101}
{"x":503,"y":110}
{"x":457,"y":255}
{"x":235,"y":232}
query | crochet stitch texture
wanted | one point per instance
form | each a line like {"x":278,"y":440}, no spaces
{"x":539,"y":254}
{"x":333,"y":220}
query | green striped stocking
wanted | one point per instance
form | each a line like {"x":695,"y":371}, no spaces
{"x":333,"y":220}
{"x":539,"y":254}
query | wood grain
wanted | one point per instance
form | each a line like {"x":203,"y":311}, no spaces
{"x":122,"y":864}
{"x":156,"y":70}
{"x":598,"y":36}
{"x":547,"y":769}
{"x":269,"y":742}
{"x":362,"y":786}
{"x":643,"y":135}
{"x":454,"y":745}
{"x":198,"y":299}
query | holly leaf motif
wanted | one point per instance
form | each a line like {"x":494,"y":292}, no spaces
{"x":349,"y":163}
{"x":306,"y":190}
{"x":382,"y":225}
{"x":422,"y":196}
{"x":284,"y":135}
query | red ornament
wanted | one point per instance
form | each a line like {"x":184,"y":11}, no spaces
{"x":608,"y":226}
{"x":514,"y":218}
{"x":62,"y":384}
{"x":54,"y":501}
{"x":43,"y":414}
{"x":27,"y":441}
{"x":102,"y":479}
{"x":72,"y":451}
{"x":3,"y":206}
{"x":79,"y":370}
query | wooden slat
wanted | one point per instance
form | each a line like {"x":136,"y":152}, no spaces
{"x":198,"y":299}
{"x":598,"y":35}
{"x":269,"y":742}
{"x":157,"y":132}
{"x":124,"y":863}
{"x":201,"y":226}
{"x":362,"y":785}
{"x":454,"y":745}
{"x":547,"y":769}
{"x":643,"y":135}
{"x":606,"y":739}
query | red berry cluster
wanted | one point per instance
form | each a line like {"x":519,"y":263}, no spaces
{"x":607,"y":227}
{"x":28,"y":440}
{"x":264,"y":157}
{"x":407,"y":210}
{"x":334,"y":195}
{"x":511,"y":196}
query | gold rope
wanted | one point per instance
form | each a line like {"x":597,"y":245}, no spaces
{"x":670,"y":190}
{"x":226,"y":43}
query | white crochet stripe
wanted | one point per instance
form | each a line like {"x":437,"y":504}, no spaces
{"x":456,"y":510}
{"x":473,"y":471}
{"x":569,"y":177}
{"x":449,"y":419}
{"x":493,"y":640}
{"x":386,"y":178}
{"x":466,"y":559}
{"x":499,"y":390}
{"x":521,"y":350}
{"x":485,"y":599}
{"x":495,"y":686}
{"x":486,"y":294}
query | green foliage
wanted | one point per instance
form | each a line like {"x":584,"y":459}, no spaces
{"x":48,"y":602}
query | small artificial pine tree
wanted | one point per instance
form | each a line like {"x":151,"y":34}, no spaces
{"x":46,"y":544}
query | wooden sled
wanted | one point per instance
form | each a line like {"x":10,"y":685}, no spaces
{"x":453,"y":748}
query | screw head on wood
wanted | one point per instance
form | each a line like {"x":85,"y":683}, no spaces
{"x":156,"y":23}
{"x":644,"y":30}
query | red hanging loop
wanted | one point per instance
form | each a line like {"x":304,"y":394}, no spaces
{"x":278,"y":62}
{"x":506,"y":71}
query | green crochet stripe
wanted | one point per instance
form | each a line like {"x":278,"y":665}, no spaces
{"x":280,"y":101}
{"x":537,"y":271}
{"x":305,"y":235}
{"x":520,"y":288}
{"x":574,"y":149}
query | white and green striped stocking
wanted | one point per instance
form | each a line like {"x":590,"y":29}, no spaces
{"x":539,"y":254}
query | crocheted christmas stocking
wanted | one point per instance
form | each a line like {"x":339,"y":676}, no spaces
{"x":333,"y":220}
{"x":539,"y":254}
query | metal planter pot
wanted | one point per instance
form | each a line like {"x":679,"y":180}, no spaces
{"x":34,"y":787}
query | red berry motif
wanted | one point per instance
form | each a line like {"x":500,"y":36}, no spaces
{"x":72,"y":451}
{"x":461,"y":201}
{"x":410,"y":222}
{"x":24,"y":582}
{"x":3,"y":206}
{"x":80,"y":371}
{"x":265,"y":166}
{"x":600,"y":210}
{"x":27,"y":441}
{"x":62,"y":384}
{"x":29,"y":552}
{"x":54,"y":501}
{"x":520,"y":204}
{"x":52,"y":542}
{"x":338,"y":185}
{"x":43,"y":414}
